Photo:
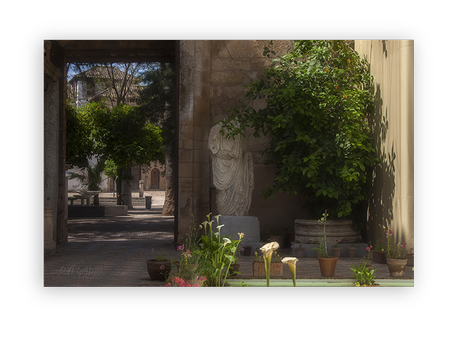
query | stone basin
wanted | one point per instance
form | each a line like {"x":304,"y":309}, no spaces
{"x":338,"y":231}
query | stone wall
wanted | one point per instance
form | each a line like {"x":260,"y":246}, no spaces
{"x":50,"y":170}
{"x":212,"y":75}
{"x":392,"y":199}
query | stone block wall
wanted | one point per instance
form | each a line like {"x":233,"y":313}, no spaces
{"x":212,"y":76}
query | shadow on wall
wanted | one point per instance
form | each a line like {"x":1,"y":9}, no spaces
{"x":380,"y":202}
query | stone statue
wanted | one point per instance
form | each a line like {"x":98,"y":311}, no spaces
{"x":232,"y":168}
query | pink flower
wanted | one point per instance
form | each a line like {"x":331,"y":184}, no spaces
{"x":403,"y":246}
{"x":179,"y":248}
{"x":186,"y":285}
{"x":161,"y":267}
{"x":168,"y":284}
{"x":390,"y":232}
{"x":196,"y":285}
{"x":368,"y":248}
{"x":202,"y":278}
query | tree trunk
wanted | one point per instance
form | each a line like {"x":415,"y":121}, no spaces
{"x":169,"y":204}
{"x":118,"y":186}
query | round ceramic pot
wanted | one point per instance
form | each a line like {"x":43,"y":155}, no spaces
{"x":327,"y":266}
{"x":299,"y":252}
{"x":158,"y":270}
{"x":396,"y":267}
{"x":351,"y":251}
{"x":336,"y":252}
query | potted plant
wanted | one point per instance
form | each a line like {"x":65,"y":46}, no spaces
{"x":396,"y":260}
{"x":336,"y":250}
{"x":351,"y":250}
{"x":246,"y":250}
{"x":379,"y":252}
{"x":363,"y":275}
{"x":410,"y":257}
{"x":299,"y":251}
{"x":159,"y":268}
{"x":327,"y":264}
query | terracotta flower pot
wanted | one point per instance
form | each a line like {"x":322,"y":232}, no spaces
{"x":276,"y":269}
{"x":234,"y":268}
{"x":247,"y":250}
{"x":336,"y":252}
{"x":396,"y":267}
{"x":158,"y":270}
{"x":299,"y":252}
{"x":379,"y":257}
{"x":327,"y":266}
{"x":351,"y":251}
{"x":410,"y":258}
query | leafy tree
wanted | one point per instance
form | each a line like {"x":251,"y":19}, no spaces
{"x":317,"y":100}
{"x":123,"y":136}
{"x":157,"y":101}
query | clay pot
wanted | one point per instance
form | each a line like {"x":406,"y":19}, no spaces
{"x":396,"y":266}
{"x":410,"y":258}
{"x":299,"y":252}
{"x":247,"y":250}
{"x":379,"y":257}
{"x":336,"y":252}
{"x":276,"y":269}
{"x":351,"y":251}
{"x":158,"y":270}
{"x":327,"y":266}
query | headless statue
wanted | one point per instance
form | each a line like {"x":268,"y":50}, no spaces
{"x":232,"y":168}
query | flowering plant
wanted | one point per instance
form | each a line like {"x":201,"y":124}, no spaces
{"x":180,"y":282}
{"x":217,"y":253}
{"x":267,"y":251}
{"x":291,"y":261}
{"x":396,"y":251}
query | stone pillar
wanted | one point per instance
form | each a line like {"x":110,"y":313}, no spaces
{"x":194,"y":126}
{"x":50,"y":243}
{"x":140,"y":188}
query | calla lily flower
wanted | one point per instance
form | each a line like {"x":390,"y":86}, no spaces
{"x":291,"y":261}
{"x":267,"y":251}
{"x":226,"y":240}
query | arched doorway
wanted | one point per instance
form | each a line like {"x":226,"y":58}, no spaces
{"x":154,"y":179}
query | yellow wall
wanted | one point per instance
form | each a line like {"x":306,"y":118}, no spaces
{"x":392,"y":199}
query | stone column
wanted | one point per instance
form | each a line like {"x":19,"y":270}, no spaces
{"x":140,"y":188}
{"x":194,"y":125}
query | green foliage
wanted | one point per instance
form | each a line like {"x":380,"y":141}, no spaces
{"x":157,"y":99}
{"x":123,"y":135}
{"x":79,"y":145}
{"x":317,"y":100}
{"x":91,"y":177}
{"x":363,"y":275}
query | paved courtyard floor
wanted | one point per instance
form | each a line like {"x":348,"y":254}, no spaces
{"x":112,"y":251}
